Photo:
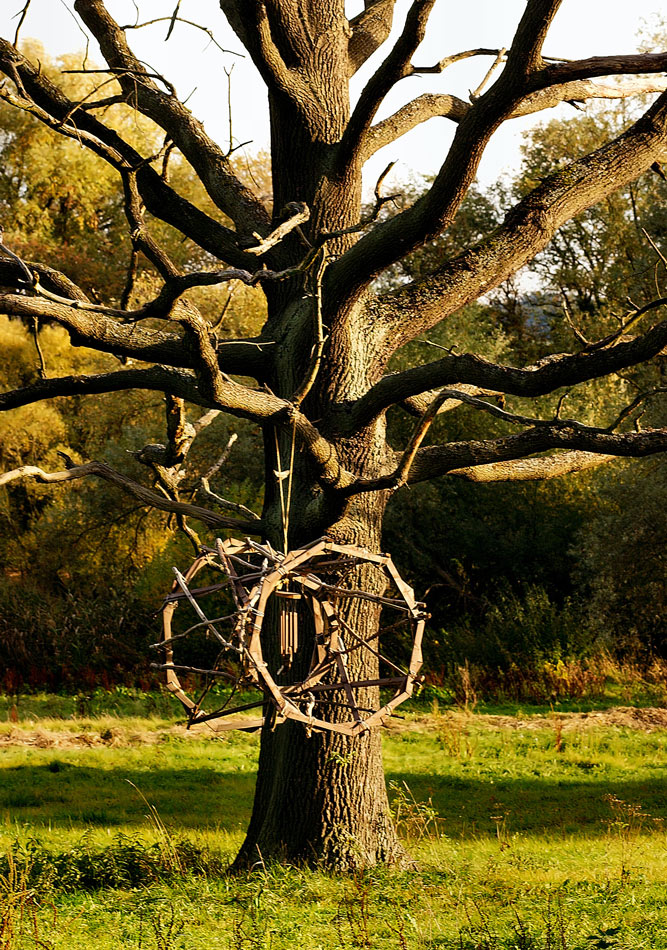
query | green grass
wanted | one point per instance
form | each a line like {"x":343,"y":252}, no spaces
{"x":526,"y":838}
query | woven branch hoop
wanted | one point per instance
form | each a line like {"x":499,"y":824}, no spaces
{"x":304,"y":590}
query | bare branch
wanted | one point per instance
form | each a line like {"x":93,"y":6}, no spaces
{"x":396,"y":66}
{"x":299,"y":214}
{"x":58,"y":112}
{"x":146,"y":496}
{"x":208,"y":160}
{"x":223,"y":458}
{"x":476,"y":93}
{"x":441,"y":460}
{"x":447,"y":61}
{"x":527,"y":228}
{"x":173,"y":20}
{"x":21,"y":17}
{"x":540,"y":468}
{"x":418,"y":404}
{"x":227,"y":505}
{"x":555,"y":372}
{"x":438,"y":105}
{"x":156,"y":378}
{"x":634,"y":64}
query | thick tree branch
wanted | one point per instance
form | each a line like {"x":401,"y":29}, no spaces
{"x":370,"y":29}
{"x":156,"y":378}
{"x":540,"y":468}
{"x":220,"y":393}
{"x":100,"y":332}
{"x":456,"y":457}
{"x":525,"y":54}
{"x":433,"y":461}
{"x":188,"y":134}
{"x":430,"y":105}
{"x":395,"y":67}
{"x":634,"y":64}
{"x":146,"y":496}
{"x":434,"y":105}
{"x":552,"y":373}
{"x":435,"y":210}
{"x":528,"y":227}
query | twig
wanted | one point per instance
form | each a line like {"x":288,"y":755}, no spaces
{"x":439,"y":346}
{"x":22,"y":15}
{"x":227,"y":505}
{"x":204,"y":421}
{"x":223,"y":458}
{"x":655,"y":247}
{"x":449,"y":60}
{"x":126,"y":71}
{"x":570,"y":322}
{"x":496,"y":63}
{"x":173,"y":20}
{"x":40,"y":354}
{"x":403,"y":470}
{"x":636,"y":316}
{"x":624,"y":413}
{"x":561,"y":403}
{"x":172,"y":23}
{"x":230,"y":114}
{"x":225,"y":307}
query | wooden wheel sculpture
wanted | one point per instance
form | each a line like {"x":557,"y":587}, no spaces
{"x":214,"y":630}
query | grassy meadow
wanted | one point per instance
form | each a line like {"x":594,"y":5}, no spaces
{"x":529,"y":831}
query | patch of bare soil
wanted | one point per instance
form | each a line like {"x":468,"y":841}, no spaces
{"x":645,"y":720}
{"x":116,"y":737}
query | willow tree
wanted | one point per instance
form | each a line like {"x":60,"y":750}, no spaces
{"x":321,"y":360}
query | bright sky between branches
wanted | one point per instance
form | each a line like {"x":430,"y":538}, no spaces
{"x":195,"y":65}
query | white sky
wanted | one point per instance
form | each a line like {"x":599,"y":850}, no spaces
{"x":582,"y":28}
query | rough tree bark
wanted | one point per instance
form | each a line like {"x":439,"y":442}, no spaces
{"x":321,"y":359}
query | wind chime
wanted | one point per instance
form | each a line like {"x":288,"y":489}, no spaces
{"x":221,"y":604}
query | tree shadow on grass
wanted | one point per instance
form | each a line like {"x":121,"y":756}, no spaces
{"x":70,"y":795}
{"x":470,"y":807}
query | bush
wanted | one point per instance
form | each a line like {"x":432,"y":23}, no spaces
{"x":522,"y":631}
{"x":126,"y":862}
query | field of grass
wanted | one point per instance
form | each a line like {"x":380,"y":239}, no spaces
{"x":531,"y":833}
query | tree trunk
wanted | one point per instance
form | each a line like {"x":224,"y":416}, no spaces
{"x":321,"y":796}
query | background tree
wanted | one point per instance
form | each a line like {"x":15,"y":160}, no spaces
{"x":322,"y":355}
{"x":499,"y":556}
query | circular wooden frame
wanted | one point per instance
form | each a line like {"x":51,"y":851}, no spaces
{"x":251,"y":586}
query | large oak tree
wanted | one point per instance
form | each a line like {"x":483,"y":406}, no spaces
{"x":321,"y":360}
